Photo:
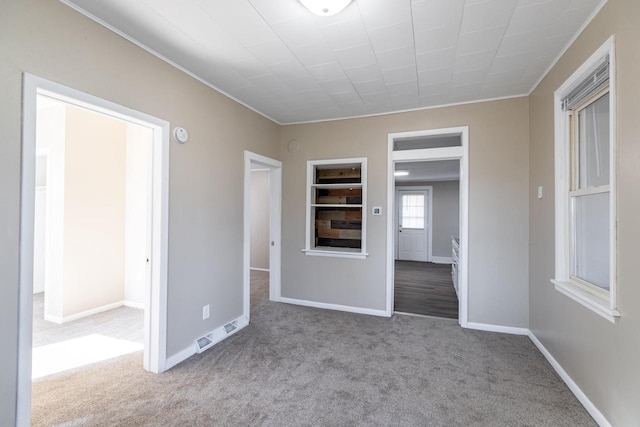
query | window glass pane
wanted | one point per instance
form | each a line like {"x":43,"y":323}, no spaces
{"x":591,"y":246}
{"x":427,"y":142}
{"x":412,"y":211}
{"x":593,"y":143}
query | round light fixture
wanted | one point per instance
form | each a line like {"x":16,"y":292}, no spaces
{"x":325,"y":7}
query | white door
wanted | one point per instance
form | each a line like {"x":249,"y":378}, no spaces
{"x":413,"y":225}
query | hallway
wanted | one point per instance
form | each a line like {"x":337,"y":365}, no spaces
{"x":425,"y":288}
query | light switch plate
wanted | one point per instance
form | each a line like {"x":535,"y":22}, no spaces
{"x":540,"y":192}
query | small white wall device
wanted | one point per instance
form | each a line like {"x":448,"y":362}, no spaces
{"x":180,"y":135}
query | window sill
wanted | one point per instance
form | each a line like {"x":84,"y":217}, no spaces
{"x":336,"y":253}
{"x":594,"y":303}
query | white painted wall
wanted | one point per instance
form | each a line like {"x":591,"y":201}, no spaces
{"x":97,"y":193}
{"x":94,"y":207}
{"x":136,"y":251}
{"x":260,"y":219}
{"x":50,"y":138}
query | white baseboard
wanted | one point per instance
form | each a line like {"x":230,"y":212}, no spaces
{"x":66,"y":319}
{"x":259,"y":269}
{"x":442,"y":260}
{"x":218,"y":334}
{"x":180,"y":357}
{"x":575,"y":389}
{"x":498,"y":328}
{"x":133,"y":304}
{"x":336,"y":307}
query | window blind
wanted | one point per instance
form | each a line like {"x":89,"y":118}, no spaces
{"x":596,"y":79}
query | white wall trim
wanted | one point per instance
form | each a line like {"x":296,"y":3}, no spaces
{"x":309,"y":245}
{"x":337,"y":307}
{"x":218,"y":335}
{"x":180,"y":356}
{"x":156,"y":313}
{"x":442,"y":260}
{"x":439,"y":153}
{"x":564,"y":282}
{"x":575,"y":389}
{"x":275,"y":226}
{"x":511,"y":330}
{"x":446,"y":153}
{"x":410,"y":110}
{"x":133,"y":304}
{"x":86,"y":313}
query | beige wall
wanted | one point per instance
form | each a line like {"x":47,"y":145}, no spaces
{"x":602,"y":358}
{"x":48,"y":39}
{"x":446,"y":214}
{"x":498,"y":208}
{"x":94,"y":212}
{"x":260,"y":219}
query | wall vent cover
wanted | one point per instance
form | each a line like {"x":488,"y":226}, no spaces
{"x":230,"y":327}
{"x":204,"y":343}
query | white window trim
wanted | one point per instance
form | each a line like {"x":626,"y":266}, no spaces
{"x":601,"y":302}
{"x":336,"y":252}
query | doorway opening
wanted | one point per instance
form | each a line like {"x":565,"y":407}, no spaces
{"x":83,"y":193}
{"x":91,"y":236}
{"x":427,"y":234}
{"x":262,"y":230}
{"x":427,"y":222}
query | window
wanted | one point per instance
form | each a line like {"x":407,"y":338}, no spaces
{"x":585,"y":185}
{"x":336,"y":208}
{"x":413,"y":211}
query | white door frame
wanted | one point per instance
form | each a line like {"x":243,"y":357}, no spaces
{"x":429,"y":214}
{"x":156,"y":304}
{"x":432,"y":154}
{"x":275,"y":213}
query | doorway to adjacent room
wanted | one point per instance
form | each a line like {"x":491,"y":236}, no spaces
{"x":262,"y":230}
{"x":56,"y":216}
{"x":428,"y":232}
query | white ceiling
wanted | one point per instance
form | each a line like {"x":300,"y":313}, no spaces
{"x":441,"y":170}
{"x":376,"y":56}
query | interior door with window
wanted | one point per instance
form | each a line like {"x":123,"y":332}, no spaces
{"x":413,"y":225}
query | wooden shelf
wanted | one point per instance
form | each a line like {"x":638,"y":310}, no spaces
{"x":330,"y":186}
{"x":322,"y":205}
{"x":337,"y":205}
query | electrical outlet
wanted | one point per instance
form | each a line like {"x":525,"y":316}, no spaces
{"x":205,"y":312}
{"x":540,"y":192}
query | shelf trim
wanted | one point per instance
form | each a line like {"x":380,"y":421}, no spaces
{"x":323,"y":205}
{"x":341,"y":185}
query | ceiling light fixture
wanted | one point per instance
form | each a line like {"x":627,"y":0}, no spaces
{"x":325,"y":7}
{"x":401,"y":173}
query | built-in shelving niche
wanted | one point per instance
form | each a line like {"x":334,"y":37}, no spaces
{"x":337,"y":206}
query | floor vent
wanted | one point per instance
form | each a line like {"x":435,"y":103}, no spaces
{"x":230,"y":327}
{"x":204,"y":342}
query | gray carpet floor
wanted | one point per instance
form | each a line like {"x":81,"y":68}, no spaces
{"x":300,"y":366}
{"x":124,"y":323}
